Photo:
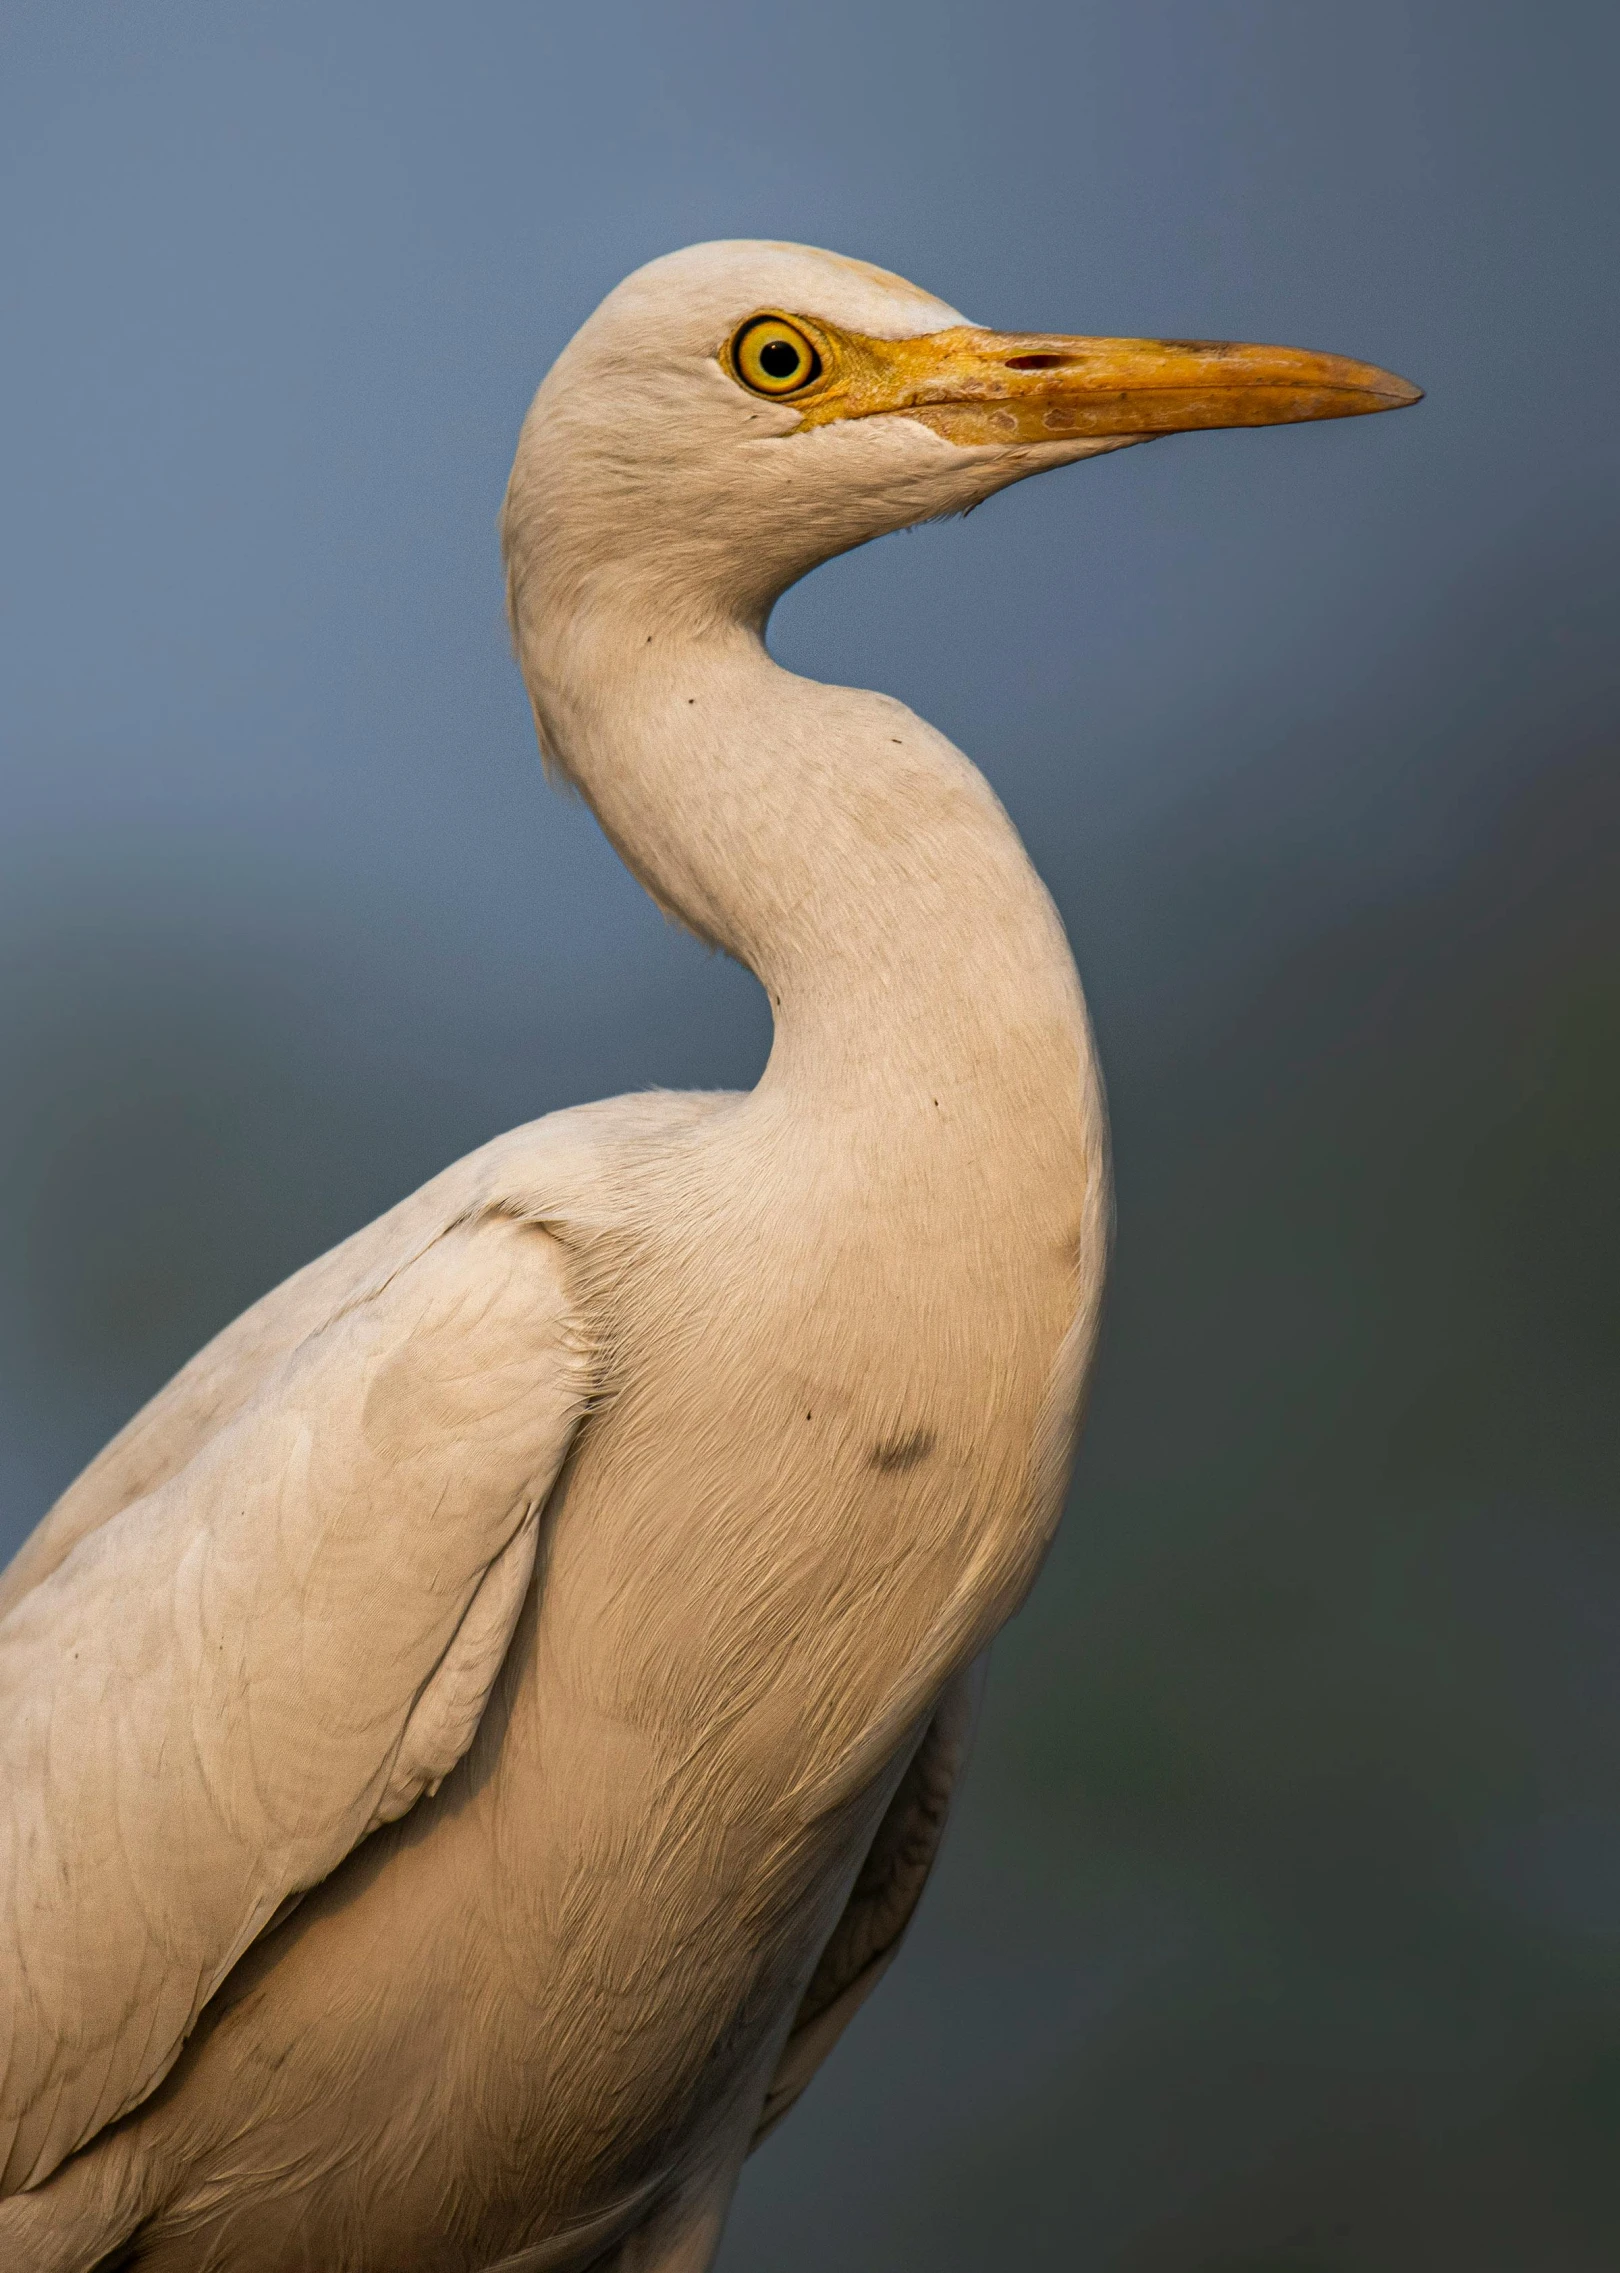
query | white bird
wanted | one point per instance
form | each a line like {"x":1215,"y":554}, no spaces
{"x":473,"y":1740}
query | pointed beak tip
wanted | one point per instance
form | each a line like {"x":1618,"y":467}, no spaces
{"x":1398,"y":393}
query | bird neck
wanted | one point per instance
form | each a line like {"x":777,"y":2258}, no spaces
{"x":827,"y":838}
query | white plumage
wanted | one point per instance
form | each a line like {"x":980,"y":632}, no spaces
{"x":472,"y":1741}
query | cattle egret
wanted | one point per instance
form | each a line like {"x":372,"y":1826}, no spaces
{"x":475,"y":1738}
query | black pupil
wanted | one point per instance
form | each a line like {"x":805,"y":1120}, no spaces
{"x":779,"y":359}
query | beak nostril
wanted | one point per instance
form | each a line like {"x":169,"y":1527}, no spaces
{"x":1038,"y":362}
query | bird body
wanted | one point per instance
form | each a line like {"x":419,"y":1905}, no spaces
{"x":477,"y":1736}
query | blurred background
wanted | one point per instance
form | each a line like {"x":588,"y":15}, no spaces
{"x":1279,"y":1930}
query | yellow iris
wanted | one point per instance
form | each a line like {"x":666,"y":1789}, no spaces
{"x":774,"y":357}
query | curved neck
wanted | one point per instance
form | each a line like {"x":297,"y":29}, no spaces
{"x":827,"y":838}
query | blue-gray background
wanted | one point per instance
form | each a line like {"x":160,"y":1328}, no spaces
{"x":1280,"y":1928}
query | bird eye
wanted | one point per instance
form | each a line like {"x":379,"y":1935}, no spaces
{"x":774,"y":357}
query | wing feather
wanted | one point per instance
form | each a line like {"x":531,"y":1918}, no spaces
{"x":225,"y":1684}
{"x":882,"y":1901}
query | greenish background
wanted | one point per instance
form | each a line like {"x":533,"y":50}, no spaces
{"x":1280,"y":1928}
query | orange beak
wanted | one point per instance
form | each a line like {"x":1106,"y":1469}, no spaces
{"x":975,"y":386}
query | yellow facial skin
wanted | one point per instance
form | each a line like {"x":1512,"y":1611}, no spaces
{"x":977,"y":387}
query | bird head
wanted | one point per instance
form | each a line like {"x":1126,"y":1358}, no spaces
{"x":736,"y":413}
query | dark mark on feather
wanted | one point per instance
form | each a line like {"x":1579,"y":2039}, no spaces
{"x":903,"y":1451}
